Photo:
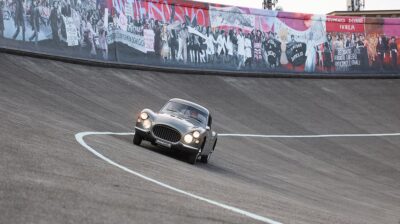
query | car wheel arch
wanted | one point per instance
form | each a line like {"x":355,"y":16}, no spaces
{"x":203,"y":144}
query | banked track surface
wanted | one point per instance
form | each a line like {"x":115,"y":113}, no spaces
{"x":47,"y":177}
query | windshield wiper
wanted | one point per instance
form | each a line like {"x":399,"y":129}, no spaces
{"x":196,"y":119}
{"x":172,"y":110}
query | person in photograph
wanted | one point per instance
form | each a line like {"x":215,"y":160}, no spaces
{"x":234,"y":35}
{"x":183,"y":43}
{"x":289,"y":44}
{"x":221,"y":46}
{"x":190,"y":48}
{"x":257,"y":44}
{"x":102,"y":33}
{"x":165,"y":50}
{"x":88,"y":36}
{"x":196,"y":48}
{"x":278,"y":49}
{"x":66,"y":9}
{"x":173,"y":43}
{"x":157,"y":39}
{"x":338,"y":44}
{"x":54,"y":23}
{"x":320,"y":50}
{"x":346,"y":40}
{"x":271,"y":50}
{"x":360,"y":41}
{"x":229,"y":47}
{"x":292,"y":39}
{"x":248,"y":51}
{"x":328,"y":51}
{"x":1,"y":19}
{"x":115,"y":20}
{"x":283,"y":38}
{"x":203,"y":47}
{"x":98,"y":14}
{"x":372,"y":41}
{"x":393,"y":52}
{"x":19,"y":19}
{"x":353,"y":40}
{"x":363,"y":51}
{"x":380,"y":49}
{"x":310,"y":54}
{"x":34,"y":20}
{"x":210,"y":41}
{"x":268,"y":47}
{"x":241,"y":52}
{"x":216,"y":34}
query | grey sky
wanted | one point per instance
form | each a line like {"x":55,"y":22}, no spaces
{"x":313,"y":6}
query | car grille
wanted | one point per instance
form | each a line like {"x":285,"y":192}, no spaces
{"x":166,"y":133}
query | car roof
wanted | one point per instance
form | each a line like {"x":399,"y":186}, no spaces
{"x":189,"y":103}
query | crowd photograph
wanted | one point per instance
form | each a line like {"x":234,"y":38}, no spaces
{"x":192,"y":34}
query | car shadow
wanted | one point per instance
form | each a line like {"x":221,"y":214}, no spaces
{"x":165,"y":151}
{"x":212,"y":167}
{"x":181,"y":156}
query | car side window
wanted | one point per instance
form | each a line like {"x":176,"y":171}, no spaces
{"x":209,"y":121}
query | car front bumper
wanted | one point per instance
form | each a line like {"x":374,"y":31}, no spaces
{"x":148,"y":136}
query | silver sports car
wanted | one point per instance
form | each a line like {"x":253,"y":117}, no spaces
{"x":179,"y":125}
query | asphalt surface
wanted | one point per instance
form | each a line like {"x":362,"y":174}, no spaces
{"x":47,"y":177}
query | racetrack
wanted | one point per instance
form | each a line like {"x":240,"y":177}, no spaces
{"x":46,"y":176}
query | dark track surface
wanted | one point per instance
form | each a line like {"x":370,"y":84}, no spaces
{"x":47,"y":177}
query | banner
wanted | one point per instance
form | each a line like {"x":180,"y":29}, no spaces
{"x":347,"y":58}
{"x":296,"y":53}
{"x":192,"y":34}
{"x":130,"y":39}
{"x":71,"y":31}
{"x":231,"y":17}
{"x":345,"y":24}
{"x":148,"y":40}
{"x":189,"y":12}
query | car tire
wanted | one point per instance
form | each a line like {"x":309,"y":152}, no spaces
{"x":192,"y":158}
{"x":204,"y":159}
{"x":137,"y":139}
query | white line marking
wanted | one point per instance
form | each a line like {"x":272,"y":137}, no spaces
{"x":310,"y":136}
{"x":79,"y":137}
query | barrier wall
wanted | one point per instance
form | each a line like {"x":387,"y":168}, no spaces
{"x":178,"y":33}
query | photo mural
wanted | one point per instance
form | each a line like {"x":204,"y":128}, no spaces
{"x":178,"y":33}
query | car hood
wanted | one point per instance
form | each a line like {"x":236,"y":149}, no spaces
{"x":176,"y":122}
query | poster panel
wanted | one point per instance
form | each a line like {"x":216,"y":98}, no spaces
{"x":179,"y":33}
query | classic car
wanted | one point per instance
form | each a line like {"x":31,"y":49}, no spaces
{"x":180,"y":125}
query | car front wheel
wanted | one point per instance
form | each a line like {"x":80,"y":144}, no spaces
{"x":137,"y":139}
{"x":192,"y":159}
{"x":206,"y":158}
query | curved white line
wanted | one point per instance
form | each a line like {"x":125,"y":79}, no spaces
{"x":79,"y":137}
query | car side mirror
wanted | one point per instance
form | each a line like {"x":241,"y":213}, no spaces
{"x":208,"y":128}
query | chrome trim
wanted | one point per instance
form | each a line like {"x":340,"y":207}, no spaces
{"x":144,"y":130}
{"x":189,"y":147}
{"x":163,"y":140}
{"x":167,"y":129}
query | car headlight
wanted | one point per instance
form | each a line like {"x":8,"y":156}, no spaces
{"x":188,"y":138}
{"x":144,"y":116}
{"x":147,"y":124}
{"x":196,"y":134}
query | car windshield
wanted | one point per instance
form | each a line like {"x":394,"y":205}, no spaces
{"x":186,"y":112}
